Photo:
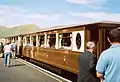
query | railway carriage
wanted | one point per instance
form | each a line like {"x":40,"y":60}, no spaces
{"x":60,"y":46}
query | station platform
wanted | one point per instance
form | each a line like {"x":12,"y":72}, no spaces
{"x":23,"y":71}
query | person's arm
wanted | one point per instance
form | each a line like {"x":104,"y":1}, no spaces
{"x":100,"y":75}
{"x":93,"y":62}
{"x":102,"y":65}
{"x":4,"y":48}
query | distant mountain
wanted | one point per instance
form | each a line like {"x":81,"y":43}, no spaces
{"x":2,"y":27}
{"x":18,"y":30}
{"x":25,"y":29}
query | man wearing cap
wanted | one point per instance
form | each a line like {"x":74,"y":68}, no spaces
{"x":87,"y":64}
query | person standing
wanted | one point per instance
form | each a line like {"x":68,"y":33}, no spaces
{"x":7,"y":52}
{"x":108,"y":66}
{"x":1,"y":49}
{"x":14,"y":49}
{"x":87,"y":64}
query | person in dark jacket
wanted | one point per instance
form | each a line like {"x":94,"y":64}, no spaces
{"x":1,"y":50}
{"x":87,"y":64}
{"x":1,"y":47}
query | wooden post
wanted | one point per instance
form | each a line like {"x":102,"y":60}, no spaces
{"x":57,"y":41}
{"x":37,"y":41}
{"x":31,"y":40}
{"x":45,"y":43}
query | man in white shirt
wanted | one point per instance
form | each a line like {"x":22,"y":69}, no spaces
{"x":7,"y":53}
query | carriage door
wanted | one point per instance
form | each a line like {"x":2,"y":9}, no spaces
{"x":106,"y":44}
{"x":99,"y":35}
{"x":94,"y":36}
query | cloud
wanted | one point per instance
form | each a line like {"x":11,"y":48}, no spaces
{"x":80,"y":1}
{"x":14,"y":15}
{"x":94,"y":4}
{"x":97,"y":16}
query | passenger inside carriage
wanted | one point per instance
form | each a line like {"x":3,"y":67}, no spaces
{"x":28,"y":43}
{"x":42,"y":44}
{"x":66,"y":43}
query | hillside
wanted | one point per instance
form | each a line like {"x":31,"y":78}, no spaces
{"x":18,"y":30}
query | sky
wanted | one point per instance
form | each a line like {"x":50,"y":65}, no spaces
{"x":48,"y":13}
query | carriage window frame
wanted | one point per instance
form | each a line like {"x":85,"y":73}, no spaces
{"x":41,"y":39}
{"x":34,"y":40}
{"x":16,"y":38}
{"x":51,"y":40}
{"x":66,"y":37}
{"x":28,"y":39}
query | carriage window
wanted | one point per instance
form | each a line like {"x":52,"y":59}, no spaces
{"x":51,"y":40}
{"x":10,"y":39}
{"x":16,"y":38}
{"x":21,"y":37}
{"x":41,"y":40}
{"x":65,"y":40}
{"x":34,"y":40}
{"x":78,"y":40}
{"x":28,"y":39}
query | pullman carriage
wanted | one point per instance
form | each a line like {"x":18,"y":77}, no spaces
{"x":60,"y":46}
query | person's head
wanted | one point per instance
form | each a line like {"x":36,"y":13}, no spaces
{"x":8,"y":42}
{"x":28,"y":42}
{"x":90,"y":45}
{"x":13,"y":41}
{"x":114,"y":36}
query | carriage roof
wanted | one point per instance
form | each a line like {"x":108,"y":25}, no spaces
{"x":80,"y":25}
{"x":28,"y":29}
